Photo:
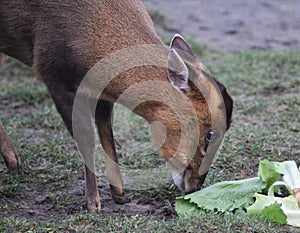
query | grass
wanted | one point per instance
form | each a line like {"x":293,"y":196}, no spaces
{"x":156,"y":15}
{"x":48,"y":195}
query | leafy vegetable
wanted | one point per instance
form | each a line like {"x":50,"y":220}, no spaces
{"x":268,"y":208}
{"x":235,"y":196}
{"x":289,"y":211}
{"x":186,"y":208}
{"x":274,"y":213}
{"x":222,"y":197}
{"x":267,"y":173}
{"x":291,"y":175}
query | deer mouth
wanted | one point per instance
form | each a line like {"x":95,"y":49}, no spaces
{"x":188,"y":185}
{"x":198,"y":185}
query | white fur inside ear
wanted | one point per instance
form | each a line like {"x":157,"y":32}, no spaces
{"x":178,"y":42}
{"x":175,"y":37}
{"x":177,"y":70}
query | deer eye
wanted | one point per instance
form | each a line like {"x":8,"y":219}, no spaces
{"x":210,"y":136}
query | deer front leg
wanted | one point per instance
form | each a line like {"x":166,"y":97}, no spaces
{"x":83,"y":133}
{"x":7,"y":150}
{"x":86,"y":146}
{"x":103,"y":118}
{"x":93,"y":202}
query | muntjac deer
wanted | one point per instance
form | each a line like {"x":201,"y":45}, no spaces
{"x":62,"y":40}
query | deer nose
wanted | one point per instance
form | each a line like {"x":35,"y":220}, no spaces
{"x":197,"y":186}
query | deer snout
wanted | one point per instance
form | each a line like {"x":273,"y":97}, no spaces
{"x":188,"y":182}
{"x":195,"y":184}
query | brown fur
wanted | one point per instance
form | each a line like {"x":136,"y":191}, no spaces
{"x":61,"y":40}
{"x":12,"y":160}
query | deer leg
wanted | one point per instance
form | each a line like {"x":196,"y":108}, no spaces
{"x":7,"y":150}
{"x":103,"y":119}
{"x":64,"y":101}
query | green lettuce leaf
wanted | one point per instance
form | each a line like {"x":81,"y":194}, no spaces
{"x":290,"y":172}
{"x":224,"y":196}
{"x":236,"y":196}
{"x":274,"y":213}
{"x":268,"y":208}
{"x":185,"y":208}
{"x":268,"y":173}
{"x":289,"y":210}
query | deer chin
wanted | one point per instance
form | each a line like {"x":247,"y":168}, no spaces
{"x":178,"y":178}
{"x":186,"y":184}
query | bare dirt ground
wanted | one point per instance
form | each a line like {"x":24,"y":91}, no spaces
{"x":232,"y":25}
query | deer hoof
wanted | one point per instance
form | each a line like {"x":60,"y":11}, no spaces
{"x":94,"y":205}
{"x":120,"y":199}
{"x":13,"y":162}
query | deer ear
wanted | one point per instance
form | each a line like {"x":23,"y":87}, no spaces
{"x":179,"y":43}
{"x":178,"y":73}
